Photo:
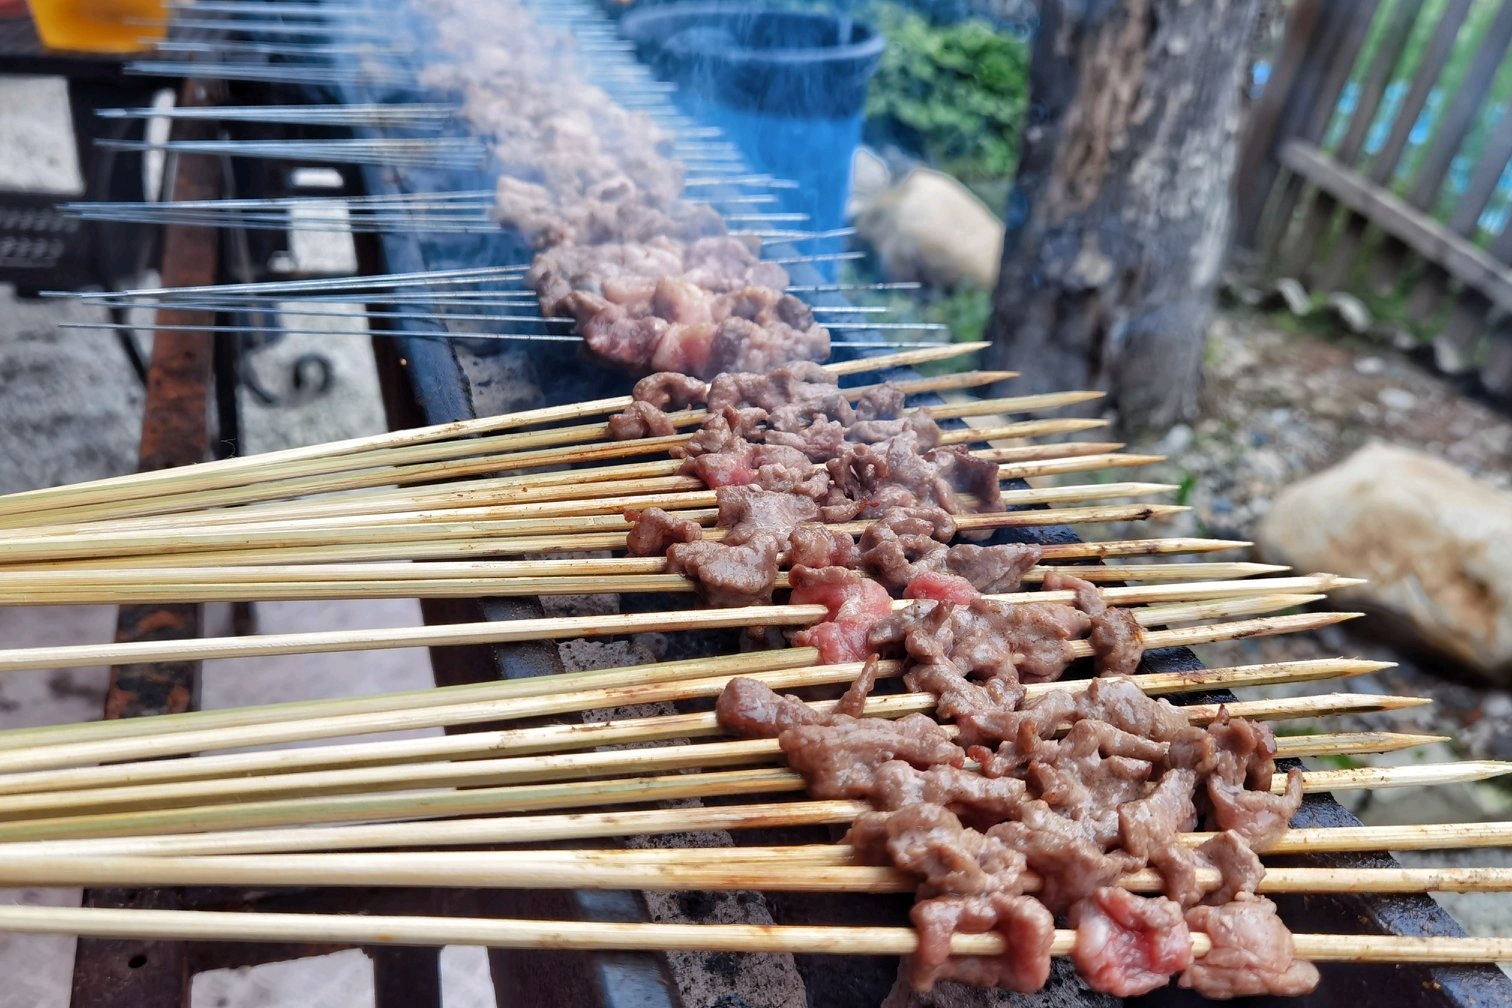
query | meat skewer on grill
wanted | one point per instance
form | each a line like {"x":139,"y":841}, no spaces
{"x":1066,"y":942}
{"x":548,"y":828}
{"x":204,"y":925}
{"x":32,"y":756}
{"x":209,"y":787}
{"x":61,"y":758}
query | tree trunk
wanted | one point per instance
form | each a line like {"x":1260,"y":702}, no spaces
{"x":1118,"y":228}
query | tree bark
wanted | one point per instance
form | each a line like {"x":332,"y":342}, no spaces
{"x":1118,"y":228}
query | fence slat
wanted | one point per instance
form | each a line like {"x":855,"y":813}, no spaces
{"x":1391,"y":260}
{"x":1501,"y":246}
{"x":1394,"y":38}
{"x":1425,"y":76}
{"x":1320,"y":207}
{"x":1398,"y":29}
{"x":1257,"y":162}
{"x":1456,"y":122}
{"x":1484,"y":176}
{"x":1342,"y":34}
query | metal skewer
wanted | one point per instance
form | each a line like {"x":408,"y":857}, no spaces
{"x":440,"y":153}
{"x":472,"y":274}
{"x":295,"y":307}
{"x":264,"y":27}
{"x":429,"y":334}
{"x":419,"y":113}
{"x":239,"y":47}
{"x":282,"y":8}
{"x":274,"y":73}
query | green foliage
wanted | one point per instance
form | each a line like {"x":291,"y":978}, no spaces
{"x":955,"y":94}
{"x":966,"y":312}
{"x":1187,"y":487}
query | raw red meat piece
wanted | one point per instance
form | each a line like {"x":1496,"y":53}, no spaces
{"x":854,"y":604}
{"x":1129,"y":945}
{"x":846,"y":594}
{"x":941,"y":588}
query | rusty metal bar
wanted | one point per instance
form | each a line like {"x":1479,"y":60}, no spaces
{"x":175,"y":431}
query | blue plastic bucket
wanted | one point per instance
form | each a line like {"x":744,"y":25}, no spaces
{"x":787,"y":87}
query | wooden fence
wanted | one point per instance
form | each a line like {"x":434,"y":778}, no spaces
{"x":1377,"y":162}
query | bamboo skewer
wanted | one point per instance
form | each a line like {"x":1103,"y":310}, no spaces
{"x":613,"y":502}
{"x":645,"y":822}
{"x":1056,"y":551}
{"x":563,"y":517}
{"x":263,"y":466}
{"x":197,"y":737}
{"x":509,"y":631}
{"x":208,"y":925}
{"x":542,"y":739}
{"x":582,"y":795}
{"x":489,"y":571}
{"x":1018,"y":463}
{"x":188,"y":587}
{"x":505,"y":490}
{"x":430,"y":458}
{"x":497,"y":491}
{"x":443,"y":549}
{"x":517,"y":536}
{"x":719,"y":869}
{"x":499,"y":772}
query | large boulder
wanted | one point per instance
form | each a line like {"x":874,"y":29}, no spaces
{"x":931,"y":228}
{"x":1435,"y":544}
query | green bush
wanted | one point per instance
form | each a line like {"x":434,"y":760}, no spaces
{"x":954,"y":94}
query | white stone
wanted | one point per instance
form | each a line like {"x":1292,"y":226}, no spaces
{"x":1435,"y":544}
{"x":1370,"y":365}
{"x":931,"y":228}
{"x":1398,"y":399}
{"x":1176,"y":440}
{"x":870,"y":178}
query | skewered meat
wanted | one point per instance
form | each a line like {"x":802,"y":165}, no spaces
{"x":749,"y":708}
{"x":1252,"y":952}
{"x":640,"y":420}
{"x":821,"y":546}
{"x":729,"y":576}
{"x":670,"y":390}
{"x":941,"y":588}
{"x":1129,"y":945}
{"x":699,"y":307}
{"x":854,"y":604}
{"x":654,"y":531}
{"x":1126,"y":776}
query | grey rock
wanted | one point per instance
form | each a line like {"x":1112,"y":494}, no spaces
{"x":1176,"y":440}
{"x":1397,"y":399}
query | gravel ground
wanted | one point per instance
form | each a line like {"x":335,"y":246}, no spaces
{"x":1279,"y":405}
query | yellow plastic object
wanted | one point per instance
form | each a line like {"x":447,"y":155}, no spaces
{"x":112,"y":26}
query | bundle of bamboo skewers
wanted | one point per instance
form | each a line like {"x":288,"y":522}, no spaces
{"x":506,"y":506}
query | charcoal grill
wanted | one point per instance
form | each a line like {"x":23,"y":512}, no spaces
{"x":429,"y":380}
